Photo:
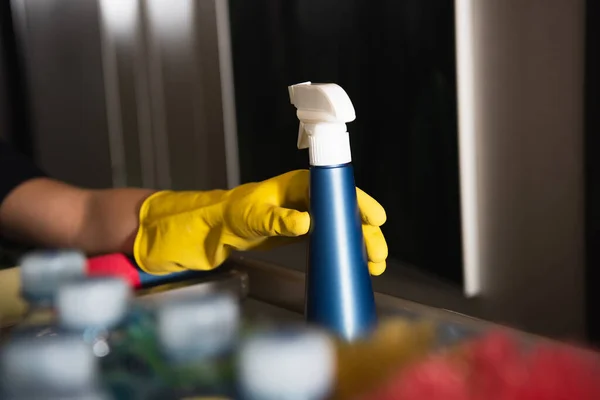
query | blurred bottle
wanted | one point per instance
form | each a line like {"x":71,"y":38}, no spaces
{"x":197,"y":339}
{"x":365,"y":364}
{"x":99,"y":311}
{"x":50,"y":368}
{"x":295,"y":363}
{"x":42,"y":273}
{"x":93,"y":308}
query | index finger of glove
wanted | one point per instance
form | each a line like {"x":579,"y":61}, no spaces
{"x":268,"y":220}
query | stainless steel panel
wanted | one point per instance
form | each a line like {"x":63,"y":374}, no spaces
{"x":284,"y":289}
{"x":232,"y":281}
{"x":521,"y":126}
{"x":60,"y":41}
{"x":259,"y":312}
{"x":129,"y":92}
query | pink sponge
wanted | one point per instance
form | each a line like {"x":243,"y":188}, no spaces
{"x":114,"y":265}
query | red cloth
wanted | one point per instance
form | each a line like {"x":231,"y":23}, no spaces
{"x":114,"y":265}
{"x":497,"y":367}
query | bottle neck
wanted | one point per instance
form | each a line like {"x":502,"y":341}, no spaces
{"x":329,"y":149}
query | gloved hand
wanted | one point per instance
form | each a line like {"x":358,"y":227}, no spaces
{"x":198,"y":230}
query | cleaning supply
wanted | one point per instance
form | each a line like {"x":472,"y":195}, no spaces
{"x":92,"y":308}
{"x":118,"y":264}
{"x":101,"y":312}
{"x":197,"y":337}
{"x":52,"y":367}
{"x":198,"y":230}
{"x":339,"y":295}
{"x":365,"y":364}
{"x":42,"y":274}
{"x":292,"y":363}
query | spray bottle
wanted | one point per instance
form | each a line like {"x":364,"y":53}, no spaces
{"x":339,"y":295}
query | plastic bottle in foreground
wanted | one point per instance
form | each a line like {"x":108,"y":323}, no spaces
{"x":43,"y":272}
{"x":61,"y":367}
{"x":197,"y":337}
{"x":339,"y":295}
{"x":296,"y":364}
{"x":199,"y":327}
{"x":92,"y":307}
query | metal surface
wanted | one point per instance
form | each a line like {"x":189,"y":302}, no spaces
{"x":261,"y":313}
{"x":232,"y":280}
{"x":271,"y":294}
{"x":229,"y":280}
{"x":284,"y":289}
{"x":339,"y":293}
{"x":521,"y":70}
{"x":60,"y":44}
{"x":129,"y":92}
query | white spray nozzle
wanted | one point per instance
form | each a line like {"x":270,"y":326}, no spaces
{"x":323,"y":110}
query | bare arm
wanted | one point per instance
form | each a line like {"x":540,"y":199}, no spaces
{"x":47,"y":212}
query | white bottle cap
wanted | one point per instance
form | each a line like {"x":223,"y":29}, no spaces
{"x":198,"y":327}
{"x":323,"y":111}
{"x":42,"y":272}
{"x":97,"y":302}
{"x":54,"y":364}
{"x":287,"y":365}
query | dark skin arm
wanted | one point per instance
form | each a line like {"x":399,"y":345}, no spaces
{"x":46,"y":212}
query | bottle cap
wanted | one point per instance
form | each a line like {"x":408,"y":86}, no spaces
{"x":323,"y":111}
{"x":42,"y":272}
{"x":198,"y":327}
{"x":97,"y":302}
{"x":295,"y":364}
{"x":54,"y":365}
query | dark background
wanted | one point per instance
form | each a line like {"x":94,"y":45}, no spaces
{"x":592,"y":164}
{"x":15,"y":102}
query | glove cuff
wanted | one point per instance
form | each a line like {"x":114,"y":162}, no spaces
{"x":140,"y":245}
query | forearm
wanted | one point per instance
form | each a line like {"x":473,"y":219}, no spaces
{"x":111,"y":221}
{"x":45,"y":212}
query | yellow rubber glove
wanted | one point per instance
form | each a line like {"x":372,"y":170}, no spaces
{"x":198,"y":230}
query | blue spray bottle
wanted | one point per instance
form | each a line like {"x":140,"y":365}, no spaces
{"x":339,"y":295}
